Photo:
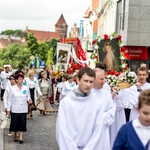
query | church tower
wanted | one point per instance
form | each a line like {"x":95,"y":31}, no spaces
{"x":61,"y":27}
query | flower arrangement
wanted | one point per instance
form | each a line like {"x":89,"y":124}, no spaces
{"x":114,"y":78}
{"x":111,"y":80}
{"x":128,"y":76}
{"x":107,"y":37}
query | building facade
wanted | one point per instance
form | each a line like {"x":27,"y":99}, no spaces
{"x":128,"y":18}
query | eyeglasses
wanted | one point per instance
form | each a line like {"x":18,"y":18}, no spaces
{"x":11,"y":79}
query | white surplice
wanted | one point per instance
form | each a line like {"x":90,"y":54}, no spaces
{"x":107,"y":87}
{"x":108,"y":108}
{"x":134,"y":94}
{"x":121,"y":101}
{"x":79,"y":123}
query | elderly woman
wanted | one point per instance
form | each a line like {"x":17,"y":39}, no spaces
{"x":32,"y":82}
{"x":18,"y":105}
{"x":45,"y":87}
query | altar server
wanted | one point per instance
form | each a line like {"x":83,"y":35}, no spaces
{"x":142,"y":74}
{"x":79,"y":122}
{"x":121,"y":100}
{"x":108,"y":106}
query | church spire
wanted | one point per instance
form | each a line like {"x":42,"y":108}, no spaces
{"x":61,"y":27}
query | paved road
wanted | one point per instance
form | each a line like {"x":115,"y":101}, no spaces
{"x":40,"y":134}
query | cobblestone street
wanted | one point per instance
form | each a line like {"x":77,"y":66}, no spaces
{"x":40,"y":134}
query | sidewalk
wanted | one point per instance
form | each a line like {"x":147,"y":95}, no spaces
{"x":1,"y":131}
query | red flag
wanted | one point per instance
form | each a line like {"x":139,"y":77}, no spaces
{"x":80,"y":51}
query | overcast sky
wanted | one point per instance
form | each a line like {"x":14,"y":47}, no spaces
{"x":40,"y":14}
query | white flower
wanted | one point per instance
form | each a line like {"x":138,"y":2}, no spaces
{"x":108,"y":76}
{"x":122,"y":58}
{"x":121,"y":45}
{"x":96,"y":47}
{"x":123,"y":66}
{"x":99,"y":39}
{"x":110,"y":37}
{"x":109,"y":80}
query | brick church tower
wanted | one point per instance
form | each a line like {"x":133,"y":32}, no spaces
{"x":61,"y":27}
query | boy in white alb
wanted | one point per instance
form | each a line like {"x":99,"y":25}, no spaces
{"x":134,"y":91}
{"x":80,"y":123}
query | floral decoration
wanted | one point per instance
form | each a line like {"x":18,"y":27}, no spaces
{"x":96,"y":42}
{"x":128,"y":76}
{"x":113,"y":77}
{"x":107,"y":37}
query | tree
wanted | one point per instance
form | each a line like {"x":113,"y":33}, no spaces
{"x":18,"y":33}
{"x":49,"y":61}
{"x":15,"y":54}
{"x":32,"y":44}
{"x":53,"y":44}
{"x":42,"y":50}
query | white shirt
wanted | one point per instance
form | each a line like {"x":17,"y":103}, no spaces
{"x":143,"y":132}
{"x":17,"y":101}
{"x":31,"y":83}
{"x":4,"y":79}
{"x":60,"y":87}
{"x":7,"y":94}
{"x":68,"y":87}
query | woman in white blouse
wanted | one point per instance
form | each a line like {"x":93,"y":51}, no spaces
{"x":18,"y":105}
{"x":68,"y":86}
{"x":33,"y":85}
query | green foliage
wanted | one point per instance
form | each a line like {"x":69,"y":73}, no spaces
{"x":42,"y":50}
{"x":32,"y":44}
{"x":49,"y":61}
{"x":14,"y":54}
{"x":18,"y":33}
{"x":17,"y":53}
{"x":53,"y":44}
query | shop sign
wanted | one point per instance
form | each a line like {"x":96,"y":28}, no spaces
{"x":135,"y":52}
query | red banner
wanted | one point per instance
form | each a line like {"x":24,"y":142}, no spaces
{"x":135,"y":52}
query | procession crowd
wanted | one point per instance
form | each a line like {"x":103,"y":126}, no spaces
{"x":91,"y":115}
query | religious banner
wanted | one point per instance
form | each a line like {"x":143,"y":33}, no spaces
{"x":109,"y":53}
{"x":63,"y":55}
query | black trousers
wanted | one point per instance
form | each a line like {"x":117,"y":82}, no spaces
{"x":2,"y":93}
{"x":32,"y":97}
{"x":127,"y":113}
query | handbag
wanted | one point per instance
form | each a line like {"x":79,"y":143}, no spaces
{"x":6,"y":122}
{"x":2,"y":115}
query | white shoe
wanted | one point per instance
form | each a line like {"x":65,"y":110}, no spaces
{"x":9,"y":134}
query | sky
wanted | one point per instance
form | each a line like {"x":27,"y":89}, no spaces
{"x":40,"y":14}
